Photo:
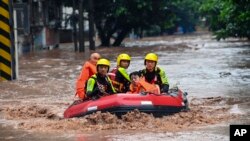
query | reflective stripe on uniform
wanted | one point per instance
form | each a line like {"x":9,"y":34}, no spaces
{"x":124,"y":73}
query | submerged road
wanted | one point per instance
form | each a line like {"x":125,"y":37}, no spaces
{"x":215,"y":74}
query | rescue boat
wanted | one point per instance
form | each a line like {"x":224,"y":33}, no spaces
{"x":121,"y":103}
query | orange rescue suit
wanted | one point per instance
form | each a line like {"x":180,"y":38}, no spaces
{"x":143,"y":86}
{"x":88,"y":70}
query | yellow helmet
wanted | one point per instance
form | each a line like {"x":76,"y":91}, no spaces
{"x":151,"y":57}
{"x":122,"y":56}
{"x":103,"y":62}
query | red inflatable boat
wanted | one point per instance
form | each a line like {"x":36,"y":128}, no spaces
{"x":122,"y":103}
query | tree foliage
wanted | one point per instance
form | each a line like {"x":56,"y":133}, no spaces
{"x":227,"y":18}
{"x":114,"y":19}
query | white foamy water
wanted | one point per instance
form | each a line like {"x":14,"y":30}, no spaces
{"x":215,"y":75}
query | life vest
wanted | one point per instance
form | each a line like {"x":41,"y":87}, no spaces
{"x":112,"y":75}
{"x":102,"y":86}
{"x":142,"y":86}
{"x":88,"y":70}
{"x":156,"y":79}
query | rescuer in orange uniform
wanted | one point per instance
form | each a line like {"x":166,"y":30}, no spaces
{"x":88,"y":69}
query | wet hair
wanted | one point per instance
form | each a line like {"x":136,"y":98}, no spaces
{"x":134,"y":73}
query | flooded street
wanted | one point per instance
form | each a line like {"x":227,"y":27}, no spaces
{"x":216,"y":76}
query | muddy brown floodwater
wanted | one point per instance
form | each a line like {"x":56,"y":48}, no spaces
{"x":216,"y":76}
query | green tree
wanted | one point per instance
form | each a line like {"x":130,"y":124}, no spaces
{"x":227,"y":18}
{"x":116,"y":18}
{"x":184,"y":13}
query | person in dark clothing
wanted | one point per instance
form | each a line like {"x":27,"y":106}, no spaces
{"x":99,"y":84}
{"x":154,"y":74}
{"x":119,"y":76}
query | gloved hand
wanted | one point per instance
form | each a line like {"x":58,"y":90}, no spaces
{"x":92,"y":93}
{"x":164,"y":88}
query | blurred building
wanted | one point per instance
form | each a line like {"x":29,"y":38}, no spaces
{"x":38,"y":23}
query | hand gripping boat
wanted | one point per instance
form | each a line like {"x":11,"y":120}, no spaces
{"x":121,"y":103}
